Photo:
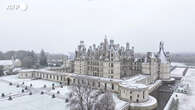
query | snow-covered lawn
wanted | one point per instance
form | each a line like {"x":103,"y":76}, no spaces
{"x":27,"y":82}
{"x":186,"y":101}
{"x":189,"y":98}
{"x":8,"y":90}
{"x":190,"y":72}
{"x":40,"y":83}
{"x":34,"y":102}
{"x":177,"y":72}
{"x":63,"y":91}
{"x":177,"y":64}
{"x":14,"y":79}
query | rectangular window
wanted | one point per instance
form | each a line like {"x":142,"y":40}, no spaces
{"x":111,"y":72}
{"x":112,"y":65}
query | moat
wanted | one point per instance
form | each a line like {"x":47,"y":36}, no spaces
{"x":163,"y":93}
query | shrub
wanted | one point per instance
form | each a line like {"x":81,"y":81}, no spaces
{"x":42,"y":92}
{"x":10,"y":84}
{"x":53,"y":96}
{"x":2,"y":95}
{"x":10,"y":98}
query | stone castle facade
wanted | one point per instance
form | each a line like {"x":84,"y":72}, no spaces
{"x":108,"y":60}
{"x":111,"y":60}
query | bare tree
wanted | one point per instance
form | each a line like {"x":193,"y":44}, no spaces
{"x":106,"y":102}
{"x":83,"y":97}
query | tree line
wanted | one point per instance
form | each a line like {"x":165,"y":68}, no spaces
{"x":29,"y":59}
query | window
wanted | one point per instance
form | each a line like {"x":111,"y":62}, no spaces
{"x":112,"y":55}
{"x":130,"y":98}
{"x":78,"y":81}
{"x":112,"y":65}
{"x":74,"y":80}
{"x":112,"y":86}
{"x":111,"y":72}
{"x":143,"y":95}
{"x":105,"y":86}
{"x":93,"y":83}
{"x":57,"y":78}
{"x":137,"y":95}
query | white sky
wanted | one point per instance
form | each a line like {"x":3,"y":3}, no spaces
{"x":58,"y":25}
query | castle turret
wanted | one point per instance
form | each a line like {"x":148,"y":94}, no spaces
{"x":164,"y":64}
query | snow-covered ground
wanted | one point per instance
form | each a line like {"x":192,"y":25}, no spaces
{"x":188,"y":99}
{"x":41,"y":83}
{"x":36,"y":101}
{"x":14,"y":79}
{"x":8,"y":90}
{"x":177,"y":64}
{"x":177,"y":72}
{"x":63,"y":91}
{"x":28,"y":82}
{"x":190,"y":72}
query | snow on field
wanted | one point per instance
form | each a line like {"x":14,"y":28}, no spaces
{"x":40,"y":83}
{"x":31,"y":102}
{"x":191,"y":72}
{"x":8,"y":90}
{"x":63,"y":91}
{"x":14,"y":79}
{"x":186,"y":101}
{"x":177,"y":72}
{"x":28,"y":82}
{"x":177,"y":64}
{"x":34,"y":102}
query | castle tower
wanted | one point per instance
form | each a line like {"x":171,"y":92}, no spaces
{"x":164,"y":64}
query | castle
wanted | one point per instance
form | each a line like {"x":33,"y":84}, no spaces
{"x":115,"y":68}
{"x":105,"y":60}
{"x":111,"y":60}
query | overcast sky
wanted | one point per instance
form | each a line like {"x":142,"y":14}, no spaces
{"x":58,"y":25}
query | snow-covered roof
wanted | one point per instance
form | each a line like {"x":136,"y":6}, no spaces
{"x":177,"y":72}
{"x":132,"y":83}
{"x":6,"y":62}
